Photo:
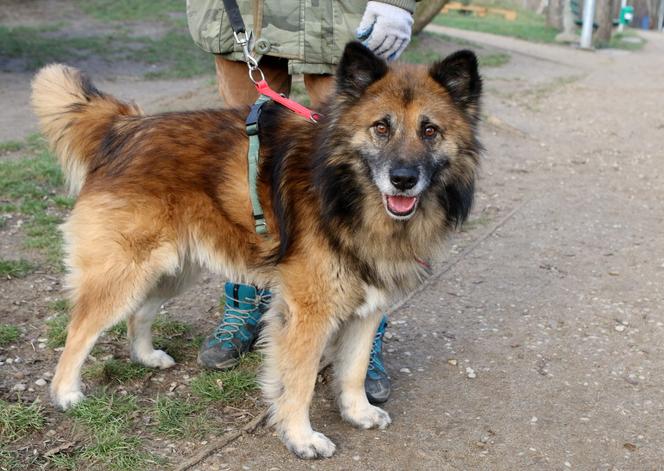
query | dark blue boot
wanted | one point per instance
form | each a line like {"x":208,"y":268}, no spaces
{"x":238,"y":330}
{"x":377,"y":384}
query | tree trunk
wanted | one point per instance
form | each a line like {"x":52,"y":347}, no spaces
{"x":425,"y":12}
{"x":604,"y":18}
{"x":568,"y":34}
{"x":652,"y":6}
{"x":554,"y":13}
{"x":542,"y":6}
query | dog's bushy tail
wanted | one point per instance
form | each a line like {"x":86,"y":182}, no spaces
{"x":74,"y":117}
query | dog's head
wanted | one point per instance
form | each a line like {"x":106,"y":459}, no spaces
{"x":408,"y":135}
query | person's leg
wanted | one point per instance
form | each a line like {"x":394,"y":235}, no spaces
{"x":377,"y":383}
{"x":318,"y":87}
{"x":237,"y":89}
{"x":238,"y":330}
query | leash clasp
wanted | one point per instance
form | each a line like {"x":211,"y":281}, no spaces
{"x":246,"y":41}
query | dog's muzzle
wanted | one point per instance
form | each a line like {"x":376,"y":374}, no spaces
{"x":401,"y":203}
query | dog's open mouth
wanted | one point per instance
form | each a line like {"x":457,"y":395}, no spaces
{"x":400,"y":207}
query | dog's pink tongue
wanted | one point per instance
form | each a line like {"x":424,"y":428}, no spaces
{"x":401,"y":204}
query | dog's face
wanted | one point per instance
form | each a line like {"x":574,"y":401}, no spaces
{"x":412,"y":130}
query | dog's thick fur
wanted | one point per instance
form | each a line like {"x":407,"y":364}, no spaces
{"x":353,"y":204}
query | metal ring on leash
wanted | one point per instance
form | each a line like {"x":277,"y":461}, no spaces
{"x":251,"y":74}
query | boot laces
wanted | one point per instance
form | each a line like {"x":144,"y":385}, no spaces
{"x":374,"y":361}
{"x":227,"y":329}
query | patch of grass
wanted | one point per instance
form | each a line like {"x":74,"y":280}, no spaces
{"x":104,"y":410}
{"x":65,"y":461}
{"x":179,"y":348}
{"x":166,"y":327}
{"x":116,"y":371}
{"x":173,"y":337}
{"x":178,"y":55}
{"x":175,"y":52}
{"x":422,"y":48}
{"x":131,"y":10}
{"x":528,"y":25}
{"x":228,"y":386}
{"x":425,"y":49}
{"x":118,"y":331}
{"x":60,"y":306}
{"x":30,"y":184}
{"x":251,"y":361}
{"x":8,"y":334}
{"x":179,"y":418}
{"x":198,"y":340}
{"x":10,"y":146}
{"x":497,"y":59}
{"x":109,"y":418}
{"x":115,"y":450}
{"x":15,"y":268}
{"x":56,"y":330}
{"x":162,"y":326}
{"x":36,"y":47}
{"x":415,"y":55}
{"x":627,"y":40}
{"x":19,"y":420}
{"x":8,"y":459}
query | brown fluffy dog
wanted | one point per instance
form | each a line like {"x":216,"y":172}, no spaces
{"x":352,"y":203}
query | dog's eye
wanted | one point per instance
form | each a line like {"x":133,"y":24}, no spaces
{"x":429,"y":131}
{"x":381,"y":128}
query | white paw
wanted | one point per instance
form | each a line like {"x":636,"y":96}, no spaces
{"x":311,"y":446}
{"x":66,"y":400}
{"x":366,"y":416}
{"x":154,"y":359}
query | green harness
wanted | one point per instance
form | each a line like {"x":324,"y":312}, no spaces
{"x":252,"y":161}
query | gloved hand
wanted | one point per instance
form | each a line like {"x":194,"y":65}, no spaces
{"x":385,"y":29}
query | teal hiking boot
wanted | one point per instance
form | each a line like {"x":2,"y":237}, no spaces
{"x":377,"y":384}
{"x":238,"y":330}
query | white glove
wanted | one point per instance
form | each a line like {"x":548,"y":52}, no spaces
{"x":385,"y":29}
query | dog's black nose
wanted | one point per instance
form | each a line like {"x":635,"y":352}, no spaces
{"x":404,"y":178}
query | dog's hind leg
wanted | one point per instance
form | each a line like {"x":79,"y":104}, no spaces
{"x":100,"y":304}
{"x":139,"y":332}
{"x":109,"y":281}
{"x":353,"y":347}
{"x":294,"y":338}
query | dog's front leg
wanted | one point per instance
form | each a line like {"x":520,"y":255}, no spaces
{"x":350,"y":367}
{"x":295,"y":337}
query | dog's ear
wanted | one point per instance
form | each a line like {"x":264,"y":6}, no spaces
{"x":459,"y":75}
{"x":358,"y":69}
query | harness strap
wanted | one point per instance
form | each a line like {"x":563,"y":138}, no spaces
{"x":252,"y":161}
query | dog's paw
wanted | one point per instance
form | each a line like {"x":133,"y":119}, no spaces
{"x":311,"y":446}
{"x":154,"y":359}
{"x":66,"y":400}
{"x":366,"y":417}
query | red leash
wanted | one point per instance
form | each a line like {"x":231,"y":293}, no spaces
{"x":264,"y":89}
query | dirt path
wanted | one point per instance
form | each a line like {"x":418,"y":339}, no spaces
{"x":558,"y":313}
